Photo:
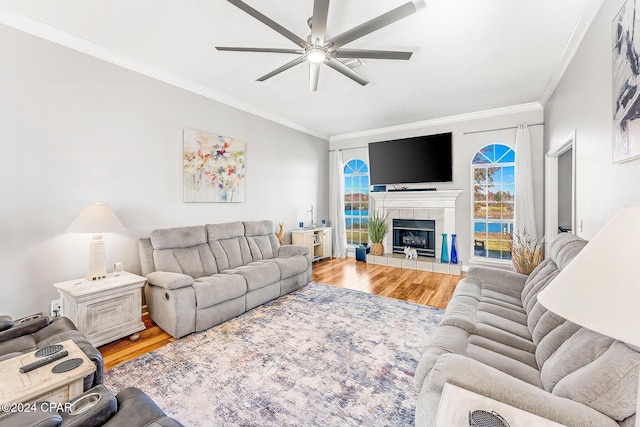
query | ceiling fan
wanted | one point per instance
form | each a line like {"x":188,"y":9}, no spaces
{"x":317,"y":49}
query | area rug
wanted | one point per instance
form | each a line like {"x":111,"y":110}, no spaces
{"x":320,"y":356}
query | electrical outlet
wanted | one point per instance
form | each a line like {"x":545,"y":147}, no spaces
{"x":56,"y":308}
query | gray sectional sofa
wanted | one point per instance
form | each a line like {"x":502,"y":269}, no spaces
{"x":200,"y":276}
{"x":497,"y":340}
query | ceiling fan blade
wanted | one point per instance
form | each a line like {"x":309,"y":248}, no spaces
{"x":373,"y":25}
{"x":314,"y":73}
{"x":283,"y":68}
{"x":259,"y":49}
{"x":269,"y":22}
{"x":319,"y":21}
{"x":372,"y":54}
{"x":340,"y":67}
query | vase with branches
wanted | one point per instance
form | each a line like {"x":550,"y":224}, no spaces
{"x":378,"y":229}
{"x":527,"y":252}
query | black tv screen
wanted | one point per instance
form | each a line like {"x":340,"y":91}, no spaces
{"x":411,"y":160}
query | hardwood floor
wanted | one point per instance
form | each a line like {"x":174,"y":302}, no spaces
{"x":434,"y":289}
{"x":421,"y":287}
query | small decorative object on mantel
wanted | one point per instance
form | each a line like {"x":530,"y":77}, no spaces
{"x":454,"y":250}
{"x":378,"y":228}
{"x":213,"y":168}
{"x":280,"y":233}
{"x":444,"y":253}
{"x":527,"y":252}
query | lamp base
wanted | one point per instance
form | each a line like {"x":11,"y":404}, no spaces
{"x":97,"y":263}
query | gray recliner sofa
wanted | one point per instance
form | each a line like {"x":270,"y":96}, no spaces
{"x":200,"y":276}
{"x":497,"y":340}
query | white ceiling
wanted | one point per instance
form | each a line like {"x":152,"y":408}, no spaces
{"x":469,"y":55}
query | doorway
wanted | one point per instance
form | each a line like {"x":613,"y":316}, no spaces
{"x":560,"y":189}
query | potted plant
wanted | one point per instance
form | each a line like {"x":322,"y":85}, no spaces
{"x":527,"y":252}
{"x":377,"y":230}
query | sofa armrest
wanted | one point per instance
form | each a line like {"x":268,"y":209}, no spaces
{"x":169,"y":280}
{"x":135,"y":408}
{"x":501,"y":278}
{"x":26,"y":325}
{"x":41,"y":416}
{"x":291,"y":250}
{"x":490,"y":382}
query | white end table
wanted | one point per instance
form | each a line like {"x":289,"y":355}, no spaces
{"x":456,"y":402}
{"x":104,"y":310}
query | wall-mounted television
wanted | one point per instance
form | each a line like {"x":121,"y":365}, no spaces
{"x":421,"y":159}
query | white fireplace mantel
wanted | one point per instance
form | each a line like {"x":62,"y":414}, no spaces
{"x":437,"y":205}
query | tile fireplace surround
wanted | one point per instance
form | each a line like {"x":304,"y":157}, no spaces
{"x":439,"y":206}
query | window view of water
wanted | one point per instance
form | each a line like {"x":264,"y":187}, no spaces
{"x":359,"y":217}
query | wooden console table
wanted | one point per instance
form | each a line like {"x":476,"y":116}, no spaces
{"x":106,"y":309}
{"x":318,"y":240}
{"x":41,"y":383}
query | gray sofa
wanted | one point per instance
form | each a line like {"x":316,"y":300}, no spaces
{"x":200,"y":276}
{"x":497,"y":340}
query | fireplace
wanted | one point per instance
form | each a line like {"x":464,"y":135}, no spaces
{"x":416,"y":233}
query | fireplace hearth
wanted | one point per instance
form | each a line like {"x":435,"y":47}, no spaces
{"x":416,"y":233}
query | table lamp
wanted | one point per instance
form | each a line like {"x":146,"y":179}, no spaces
{"x":600,"y":289}
{"x":96,"y":218}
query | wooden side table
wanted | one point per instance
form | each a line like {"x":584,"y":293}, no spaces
{"x":104,"y":310}
{"x":41,"y":383}
{"x":318,"y":240}
{"x":456,"y":402}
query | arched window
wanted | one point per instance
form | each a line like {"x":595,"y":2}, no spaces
{"x":356,"y":201}
{"x":494,"y":192}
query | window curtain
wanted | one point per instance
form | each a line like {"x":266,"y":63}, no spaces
{"x":336,"y":206}
{"x":525,"y":210}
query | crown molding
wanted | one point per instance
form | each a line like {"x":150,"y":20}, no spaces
{"x":521,"y":108}
{"x":588,"y":14}
{"x":47,"y":32}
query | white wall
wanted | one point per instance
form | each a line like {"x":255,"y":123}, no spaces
{"x":464,"y":147}
{"x":77,"y":130}
{"x":583,"y":101}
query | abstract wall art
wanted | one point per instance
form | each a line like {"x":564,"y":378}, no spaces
{"x":213,"y":168}
{"x":626,"y":93}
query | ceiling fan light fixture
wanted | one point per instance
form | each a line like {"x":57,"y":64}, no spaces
{"x":316,"y":55}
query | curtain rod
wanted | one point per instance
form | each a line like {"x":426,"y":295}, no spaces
{"x":350,"y":148}
{"x":493,"y":130}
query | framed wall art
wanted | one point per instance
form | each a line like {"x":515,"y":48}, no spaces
{"x":213,"y":168}
{"x":626,"y":94}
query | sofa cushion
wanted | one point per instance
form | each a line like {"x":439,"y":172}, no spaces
{"x":554,"y":339}
{"x":580,"y":349}
{"x":507,"y":325}
{"x":564,"y":248}
{"x":195,"y":261}
{"x":608,"y":384}
{"x":257,"y":274}
{"x":547,"y":323}
{"x":292,"y":265}
{"x":262,"y":241}
{"x":229,"y":245}
{"x":495,"y":295}
{"x":178,"y":237}
{"x":21,"y":344}
{"x":504,"y":363}
{"x":536,"y":279}
{"x":212,"y":290}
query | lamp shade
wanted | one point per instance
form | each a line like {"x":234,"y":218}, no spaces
{"x":96,"y":218}
{"x":600,"y":288}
